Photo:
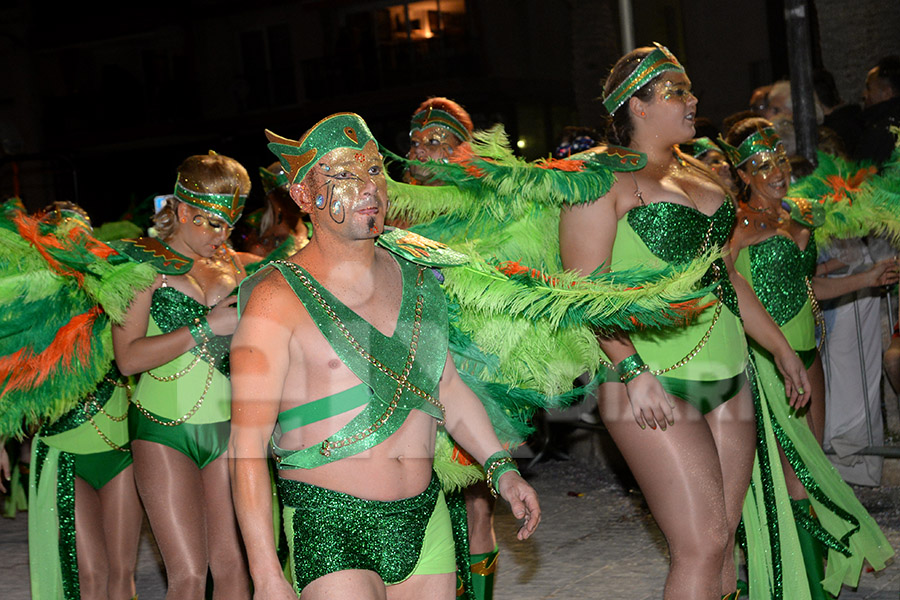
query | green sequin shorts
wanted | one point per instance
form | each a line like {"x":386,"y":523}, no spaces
{"x":202,"y":443}
{"x":100,"y":468}
{"x":329,"y":531}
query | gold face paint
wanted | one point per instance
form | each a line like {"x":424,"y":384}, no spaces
{"x":669,"y":90}
{"x":212,"y":223}
{"x":352,"y":188}
{"x":431,"y":143}
{"x":766,"y":164}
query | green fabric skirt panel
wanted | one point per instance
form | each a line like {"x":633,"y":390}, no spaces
{"x":850,"y":534}
{"x":84,"y":438}
{"x":173,"y":399}
{"x":724,"y":355}
{"x":53,"y":565}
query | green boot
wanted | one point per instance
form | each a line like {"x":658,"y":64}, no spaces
{"x":811,"y":548}
{"x":483,"y":568}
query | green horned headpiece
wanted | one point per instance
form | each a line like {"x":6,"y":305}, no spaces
{"x":341,"y":130}
{"x":764,"y":140}
{"x":431,"y":117}
{"x":226,"y":206}
{"x":657,"y":62}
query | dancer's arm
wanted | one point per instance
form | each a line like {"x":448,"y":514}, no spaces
{"x":137,"y":352}
{"x":467,"y":422}
{"x":260,"y":358}
{"x":586,"y":236}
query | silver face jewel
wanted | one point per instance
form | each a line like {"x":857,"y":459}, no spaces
{"x":320,"y":201}
{"x":326,"y":168}
{"x":336,"y":207}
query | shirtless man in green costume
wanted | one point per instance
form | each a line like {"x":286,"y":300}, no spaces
{"x":343,"y":354}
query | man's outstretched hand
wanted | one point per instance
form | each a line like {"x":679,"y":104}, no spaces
{"x":522,"y":500}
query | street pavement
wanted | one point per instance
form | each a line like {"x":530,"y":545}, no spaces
{"x":596,"y":540}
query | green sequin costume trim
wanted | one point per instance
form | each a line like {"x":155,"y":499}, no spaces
{"x":331,"y":531}
{"x":403,"y":370}
{"x":779,"y":269}
{"x":657,"y":224}
{"x":172,"y":309}
{"x":68,"y":556}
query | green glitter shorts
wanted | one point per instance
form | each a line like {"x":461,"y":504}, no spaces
{"x":202,"y":443}
{"x":100,"y":468}
{"x":329,"y":531}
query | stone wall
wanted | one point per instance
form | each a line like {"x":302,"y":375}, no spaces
{"x":854,"y":35}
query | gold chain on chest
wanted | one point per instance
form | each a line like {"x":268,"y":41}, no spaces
{"x":401,"y":379}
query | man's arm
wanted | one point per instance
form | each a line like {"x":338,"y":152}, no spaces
{"x":468,"y":423}
{"x":260,"y":358}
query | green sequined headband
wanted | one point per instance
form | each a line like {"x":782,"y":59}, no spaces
{"x":341,"y":130}
{"x":764,"y":139}
{"x":657,"y":62}
{"x":431,"y":117}
{"x":702,"y":145}
{"x":226,"y":206}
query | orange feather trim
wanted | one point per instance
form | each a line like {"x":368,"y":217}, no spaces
{"x":72,"y":343}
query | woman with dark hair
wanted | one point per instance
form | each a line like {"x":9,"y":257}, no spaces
{"x":689,"y":382}
{"x":176,"y":335}
{"x":774,"y":248}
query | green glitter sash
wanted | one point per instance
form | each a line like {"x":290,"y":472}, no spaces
{"x":417,"y":348}
{"x":172,"y":309}
{"x":677,"y":233}
{"x":779,"y":270}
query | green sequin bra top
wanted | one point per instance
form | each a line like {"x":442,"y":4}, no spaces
{"x":676,"y":234}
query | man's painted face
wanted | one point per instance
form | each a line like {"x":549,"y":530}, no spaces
{"x":431,"y":143}
{"x":350,"y":190}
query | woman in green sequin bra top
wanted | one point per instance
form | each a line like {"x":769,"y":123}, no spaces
{"x":174,"y":336}
{"x":777,"y":255}
{"x":693,"y":464}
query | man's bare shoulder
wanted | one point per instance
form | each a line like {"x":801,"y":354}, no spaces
{"x":272,"y":297}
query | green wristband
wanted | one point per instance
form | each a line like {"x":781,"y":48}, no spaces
{"x":201,"y":331}
{"x":630,"y":367}
{"x":495,"y":466}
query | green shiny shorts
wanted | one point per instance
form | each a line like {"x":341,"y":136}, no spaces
{"x":705,"y":396}
{"x":100,"y":468}
{"x":329,"y":531}
{"x":202,"y":443}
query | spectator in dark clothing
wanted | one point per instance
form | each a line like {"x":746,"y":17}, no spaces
{"x":882,"y":111}
{"x":844,"y":119}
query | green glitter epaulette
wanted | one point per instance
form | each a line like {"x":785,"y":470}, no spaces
{"x":808,"y":213}
{"x":420,"y":250}
{"x":156,"y":252}
{"x":616,"y":158}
